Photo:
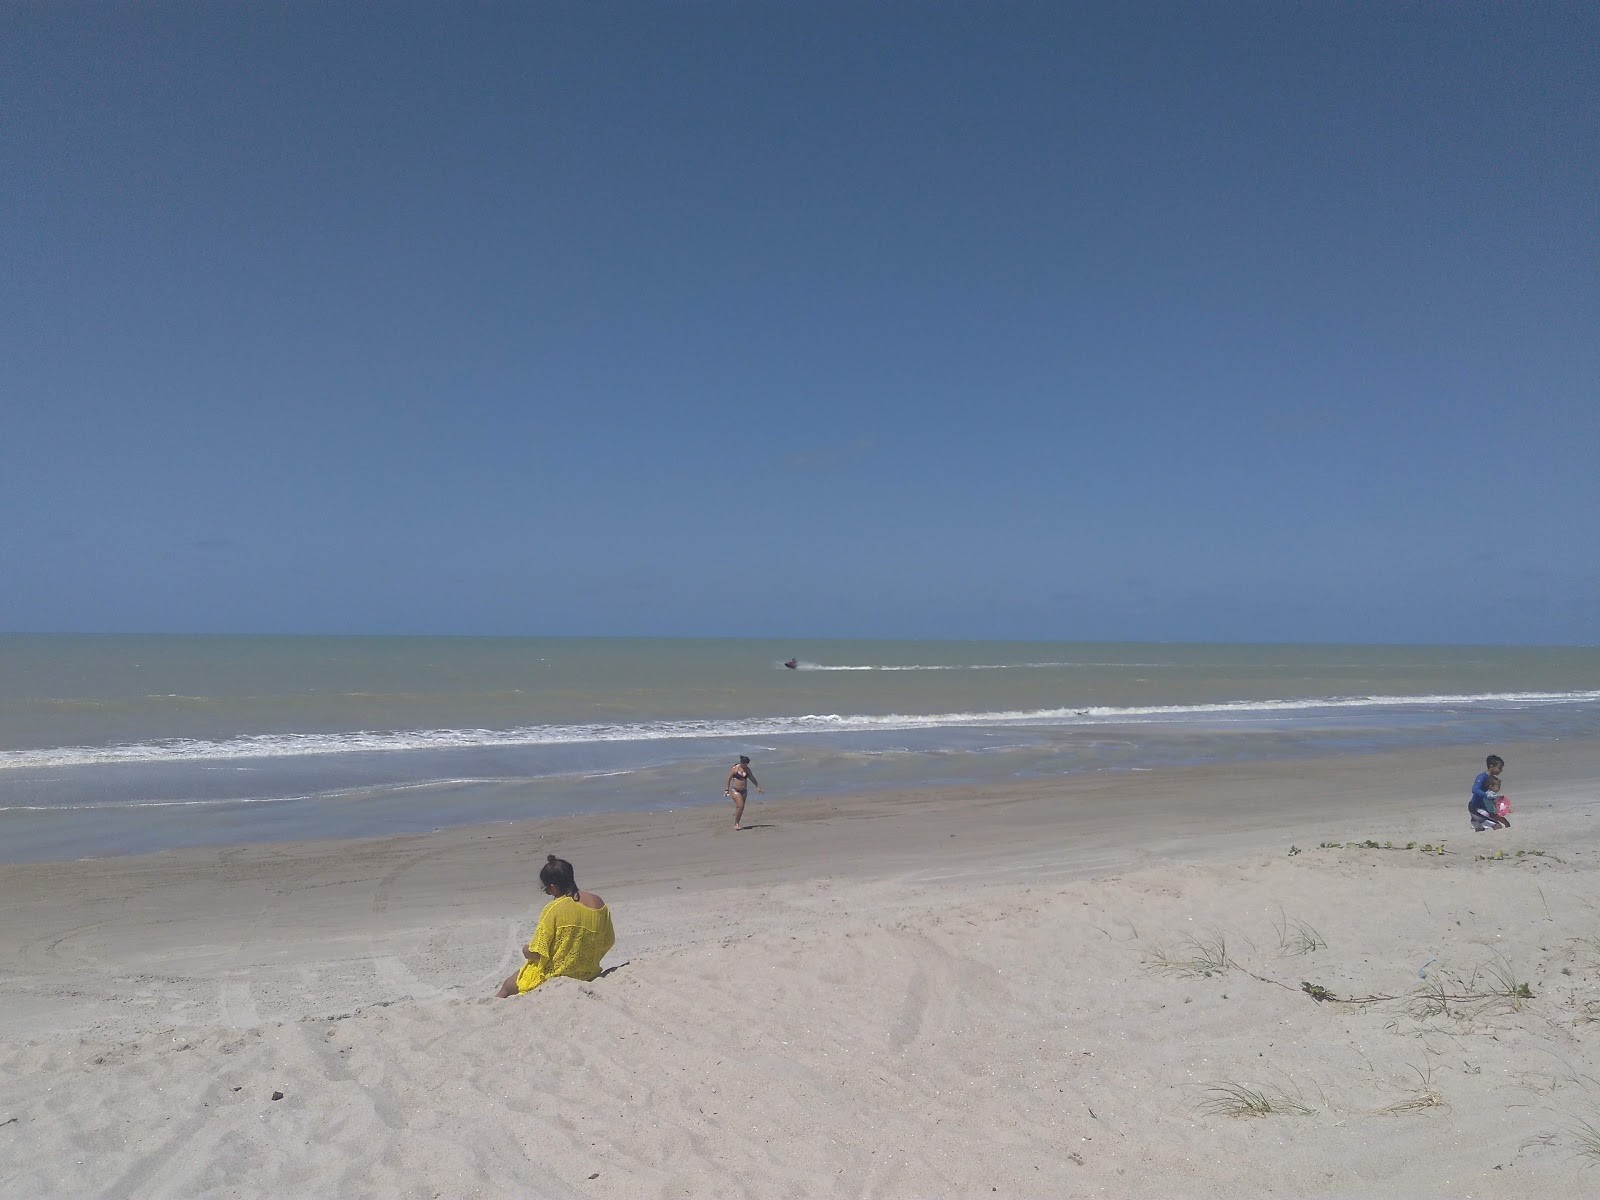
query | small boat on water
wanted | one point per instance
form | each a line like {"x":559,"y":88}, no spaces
{"x":793,"y":664}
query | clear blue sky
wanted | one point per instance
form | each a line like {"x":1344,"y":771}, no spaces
{"x":1174,"y":321}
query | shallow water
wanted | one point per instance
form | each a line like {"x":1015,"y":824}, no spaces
{"x":126,"y":744}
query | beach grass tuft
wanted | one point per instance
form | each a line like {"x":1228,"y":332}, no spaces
{"x":1201,"y":957}
{"x":1586,"y":1136}
{"x":1504,"y":983}
{"x":1424,"y":1096}
{"x":1431,"y":1001}
{"x":1295,"y":937}
{"x":1228,"y":1099}
{"x":1421,"y":1100}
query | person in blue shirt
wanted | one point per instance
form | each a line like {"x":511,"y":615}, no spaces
{"x":1485,"y":791}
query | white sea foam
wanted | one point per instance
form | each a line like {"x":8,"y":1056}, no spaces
{"x":353,"y":793}
{"x":272,"y":746}
{"x":102,"y":804}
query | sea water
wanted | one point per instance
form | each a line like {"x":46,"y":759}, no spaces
{"x":124,"y":744}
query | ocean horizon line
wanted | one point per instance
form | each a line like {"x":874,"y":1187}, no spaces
{"x":266,"y":635}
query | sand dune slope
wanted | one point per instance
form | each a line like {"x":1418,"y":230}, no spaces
{"x":887,"y":1038}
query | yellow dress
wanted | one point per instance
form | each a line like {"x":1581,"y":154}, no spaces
{"x":570,"y":939}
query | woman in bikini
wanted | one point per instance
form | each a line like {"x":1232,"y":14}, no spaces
{"x":738,"y":788}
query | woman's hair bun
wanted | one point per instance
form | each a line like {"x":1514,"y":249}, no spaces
{"x":550,"y":858}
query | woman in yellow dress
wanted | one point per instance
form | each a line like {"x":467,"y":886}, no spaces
{"x":573,"y":934}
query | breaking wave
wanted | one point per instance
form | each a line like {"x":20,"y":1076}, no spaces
{"x":273,"y":746}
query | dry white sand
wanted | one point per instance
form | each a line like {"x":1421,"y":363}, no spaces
{"x":1043,"y":991}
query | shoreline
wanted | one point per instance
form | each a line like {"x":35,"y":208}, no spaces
{"x":1432,"y":767}
{"x":1049,"y":831}
{"x":926,"y":993}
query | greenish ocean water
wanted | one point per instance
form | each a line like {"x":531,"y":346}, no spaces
{"x":120,"y":744}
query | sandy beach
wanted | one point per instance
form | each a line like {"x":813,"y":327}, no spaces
{"x":1096,"y":986}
